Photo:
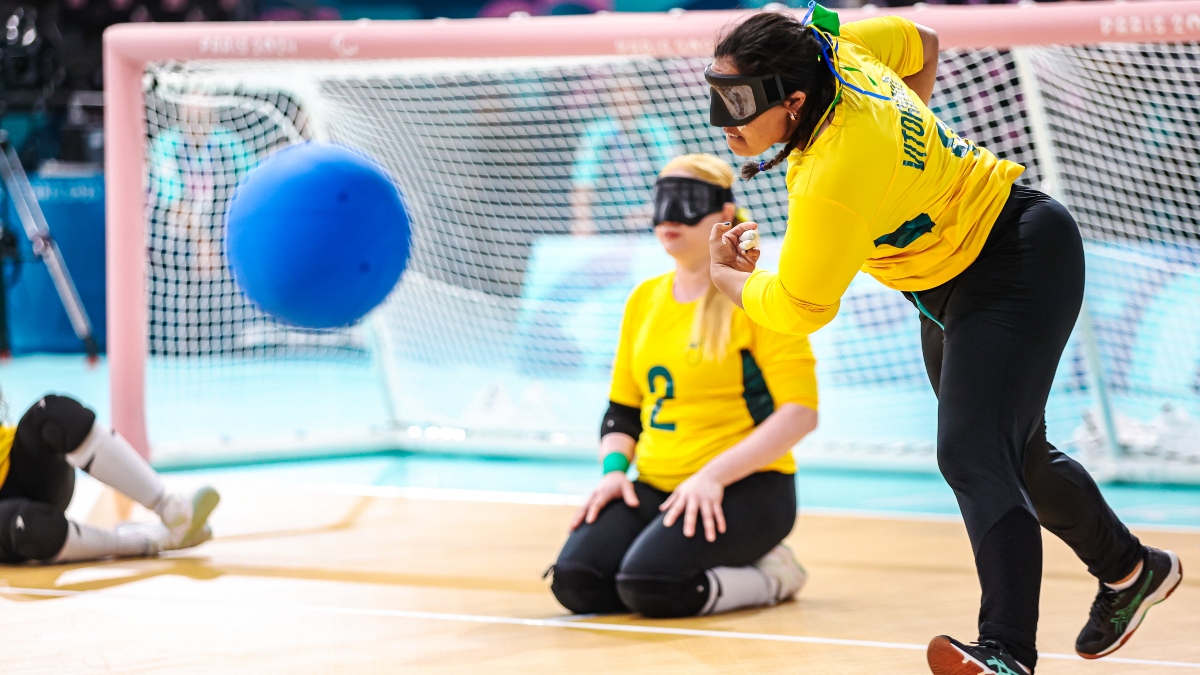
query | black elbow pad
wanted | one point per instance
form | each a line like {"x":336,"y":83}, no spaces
{"x":621,"y":419}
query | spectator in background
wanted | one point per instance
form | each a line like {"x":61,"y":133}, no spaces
{"x":81,"y":24}
{"x":619,"y":155}
{"x":194,"y":168}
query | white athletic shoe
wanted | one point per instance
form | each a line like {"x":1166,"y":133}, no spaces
{"x":186,"y":516}
{"x":196,"y":538}
{"x":142,"y":539}
{"x":781,"y":565}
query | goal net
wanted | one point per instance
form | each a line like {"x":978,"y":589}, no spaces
{"x":527,"y":179}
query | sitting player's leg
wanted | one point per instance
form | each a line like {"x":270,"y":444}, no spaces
{"x":58,"y":429}
{"x":666,"y":574}
{"x":585,"y":574}
{"x":38,"y":468}
{"x":36,"y":492}
{"x":32,"y":531}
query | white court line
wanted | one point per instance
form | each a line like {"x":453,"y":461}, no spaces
{"x":551,"y":499}
{"x":574,"y":623}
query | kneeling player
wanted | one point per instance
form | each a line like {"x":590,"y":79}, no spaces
{"x":711,"y":405}
{"x":38,"y":459}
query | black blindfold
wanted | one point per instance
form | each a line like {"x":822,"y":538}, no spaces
{"x":687,"y":200}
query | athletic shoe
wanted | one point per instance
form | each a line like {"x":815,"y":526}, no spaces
{"x":186,"y":516}
{"x":142,"y":539}
{"x":1117,"y":614}
{"x":196,"y":538}
{"x":781,"y":565}
{"x":948,"y":656}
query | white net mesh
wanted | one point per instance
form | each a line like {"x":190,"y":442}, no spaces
{"x":528,"y":182}
{"x":1123,"y":122}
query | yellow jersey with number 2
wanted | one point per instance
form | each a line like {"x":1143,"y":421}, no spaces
{"x":694,"y":409}
{"x":887,"y":188}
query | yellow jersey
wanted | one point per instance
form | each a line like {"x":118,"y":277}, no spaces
{"x":7,"y":436}
{"x":887,"y":188}
{"x":694,"y":409}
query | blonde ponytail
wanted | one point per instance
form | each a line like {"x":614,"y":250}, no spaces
{"x":713,"y":322}
{"x":712,"y":325}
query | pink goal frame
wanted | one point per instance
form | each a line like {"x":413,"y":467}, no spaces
{"x":129,"y":47}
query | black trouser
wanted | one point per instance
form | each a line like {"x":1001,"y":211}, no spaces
{"x":1006,"y":321}
{"x":628,"y":561}
{"x":40,"y":482}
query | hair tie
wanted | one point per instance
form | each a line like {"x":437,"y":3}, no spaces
{"x":762,"y":166}
{"x":807,"y":20}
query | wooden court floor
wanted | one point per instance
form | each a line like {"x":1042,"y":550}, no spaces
{"x":314,"y":580}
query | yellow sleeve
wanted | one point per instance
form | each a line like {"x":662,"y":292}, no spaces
{"x":823,"y":249}
{"x":788,"y":366}
{"x":893,"y":40}
{"x":624,"y":389}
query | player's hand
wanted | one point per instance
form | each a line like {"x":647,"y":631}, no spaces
{"x":614,"y":485}
{"x":725,"y":250}
{"x":698,"y":495}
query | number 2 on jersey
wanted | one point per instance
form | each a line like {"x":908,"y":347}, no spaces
{"x":668,"y":393}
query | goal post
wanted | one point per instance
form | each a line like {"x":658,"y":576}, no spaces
{"x":481,"y":122}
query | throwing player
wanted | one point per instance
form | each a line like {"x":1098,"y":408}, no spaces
{"x":877,"y":182}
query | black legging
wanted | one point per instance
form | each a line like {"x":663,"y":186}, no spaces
{"x":1006,"y":321}
{"x":628,"y":561}
{"x":40,"y":482}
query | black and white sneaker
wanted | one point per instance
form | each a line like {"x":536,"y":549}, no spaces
{"x":948,"y":656}
{"x":1117,"y":614}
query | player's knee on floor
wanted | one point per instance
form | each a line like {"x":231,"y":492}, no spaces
{"x":663,"y":598}
{"x":584,"y":590}
{"x":58,"y":422}
{"x":30,"y":531}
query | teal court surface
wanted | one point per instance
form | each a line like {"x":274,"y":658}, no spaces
{"x":922,"y":494}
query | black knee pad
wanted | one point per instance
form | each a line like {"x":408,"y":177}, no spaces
{"x":30,"y":531}
{"x":662,"y":598}
{"x":584,"y":590}
{"x":58,"y":422}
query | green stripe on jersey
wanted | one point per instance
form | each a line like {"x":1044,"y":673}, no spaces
{"x":758,"y":397}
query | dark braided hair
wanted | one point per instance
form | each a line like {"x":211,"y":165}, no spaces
{"x":777,"y":43}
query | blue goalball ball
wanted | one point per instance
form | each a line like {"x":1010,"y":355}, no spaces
{"x":317,"y":235}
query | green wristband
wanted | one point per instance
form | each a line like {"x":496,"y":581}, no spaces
{"x":615,"y":461}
